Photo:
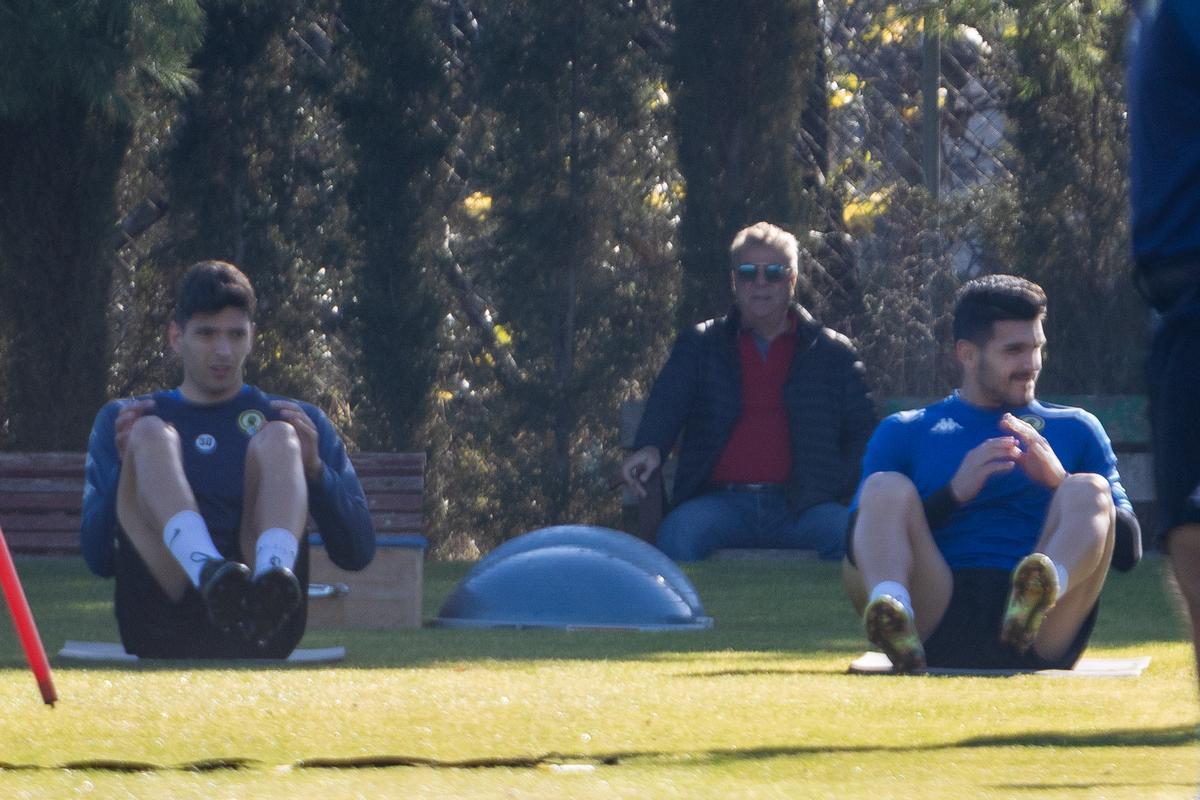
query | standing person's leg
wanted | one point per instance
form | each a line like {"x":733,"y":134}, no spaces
{"x":1183,"y":548}
{"x":895,"y":573}
{"x":1173,"y":376}
{"x":1077,"y":538}
{"x":704,"y":524}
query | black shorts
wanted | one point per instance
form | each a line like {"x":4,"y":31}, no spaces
{"x":968,"y":637}
{"x":1173,"y":375}
{"x":153,"y":626}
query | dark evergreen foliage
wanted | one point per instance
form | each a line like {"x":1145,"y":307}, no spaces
{"x":391,"y":102}
{"x":741,"y":77}
{"x":70,"y":74}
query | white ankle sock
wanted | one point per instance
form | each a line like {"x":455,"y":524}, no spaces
{"x":1062,"y":578}
{"x":276,"y":547}
{"x":896,"y":590}
{"x":187,"y":537}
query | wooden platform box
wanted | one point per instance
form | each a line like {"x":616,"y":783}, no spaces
{"x":387,"y":594}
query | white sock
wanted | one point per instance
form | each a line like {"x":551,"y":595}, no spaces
{"x":276,"y":548}
{"x":187,"y":537}
{"x":1062,"y":578}
{"x":895,"y":590}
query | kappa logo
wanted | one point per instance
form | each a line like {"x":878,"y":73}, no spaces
{"x":946,"y":425}
{"x":251,"y":421}
{"x":206,"y":443}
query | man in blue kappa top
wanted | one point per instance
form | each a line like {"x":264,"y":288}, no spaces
{"x":197,"y":497}
{"x":985,"y":523}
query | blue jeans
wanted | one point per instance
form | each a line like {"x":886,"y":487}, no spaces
{"x":717,"y":520}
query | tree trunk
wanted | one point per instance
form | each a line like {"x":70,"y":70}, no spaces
{"x":57,"y":211}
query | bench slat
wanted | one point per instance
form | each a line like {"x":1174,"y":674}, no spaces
{"x":395,"y":485}
{"x":43,"y":542}
{"x":44,"y":484}
{"x":388,"y":463}
{"x":390,"y":523}
{"x":41,"y":463}
{"x":394,"y":502}
{"x":36,"y":501}
{"x":57,"y":521}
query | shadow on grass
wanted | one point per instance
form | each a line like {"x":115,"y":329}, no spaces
{"x":781,"y":610}
{"x":1174,"y":736}
{"x":1050,"y":787}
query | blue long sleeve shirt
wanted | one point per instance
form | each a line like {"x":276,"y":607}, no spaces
{"x":214,"y":440}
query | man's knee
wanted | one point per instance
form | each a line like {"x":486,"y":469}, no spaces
{"x":1087,"y":492}
{"x":692,"y":530}
{"x":151,"y":433}
{"x":676,"y":537}
{"x":826,"y":530}
{"x":888,"y":489}
{"x":274,"y":441}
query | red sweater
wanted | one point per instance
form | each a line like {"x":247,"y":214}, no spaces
{"x":759,"y":449}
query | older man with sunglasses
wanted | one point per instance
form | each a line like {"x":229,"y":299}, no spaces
{"x":774,"y":414}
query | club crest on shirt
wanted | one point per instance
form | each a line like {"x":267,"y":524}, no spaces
{"x":251,"y":421}
{"x":1033,"y":421}
{"x":206,"y":443}
{"x":946,"y":425}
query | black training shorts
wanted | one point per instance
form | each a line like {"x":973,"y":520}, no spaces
{"x":153,"y":626}
{"x":1173,"y":375}
{"x":968,"y":637}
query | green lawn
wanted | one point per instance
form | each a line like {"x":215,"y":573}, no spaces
{"x":760,"y":706}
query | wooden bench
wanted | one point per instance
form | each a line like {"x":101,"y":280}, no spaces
{"x":1124,"y":418}
{"x":41,"y":494}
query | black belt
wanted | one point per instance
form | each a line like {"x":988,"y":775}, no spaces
{"x":747,"y":487}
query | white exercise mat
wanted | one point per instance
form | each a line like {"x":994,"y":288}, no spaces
{"x":113,"y":652}
{"x":872,"y":663}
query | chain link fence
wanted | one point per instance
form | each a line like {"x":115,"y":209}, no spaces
{"x":891,"y":74}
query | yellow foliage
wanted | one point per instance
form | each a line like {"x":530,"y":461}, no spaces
{"x":478,"y":204}
{"x":840,"y":97}
{"x":662,"y":196}
{"x":660,"y":97}
{"x":859,"y":215}
{"x":503,"y":337}
{"x":848,"y":80}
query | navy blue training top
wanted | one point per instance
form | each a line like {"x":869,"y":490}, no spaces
{"x":1164,"y":132}
{"x":1001,"y":525}
{"x":214,"y":440}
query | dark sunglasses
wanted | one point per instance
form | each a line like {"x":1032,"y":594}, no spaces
{"x":774,"y":273}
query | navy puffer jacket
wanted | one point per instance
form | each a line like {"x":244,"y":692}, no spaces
{"x":830,"y":412}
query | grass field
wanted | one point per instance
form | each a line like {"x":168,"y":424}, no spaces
{"x":760,"y":706}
